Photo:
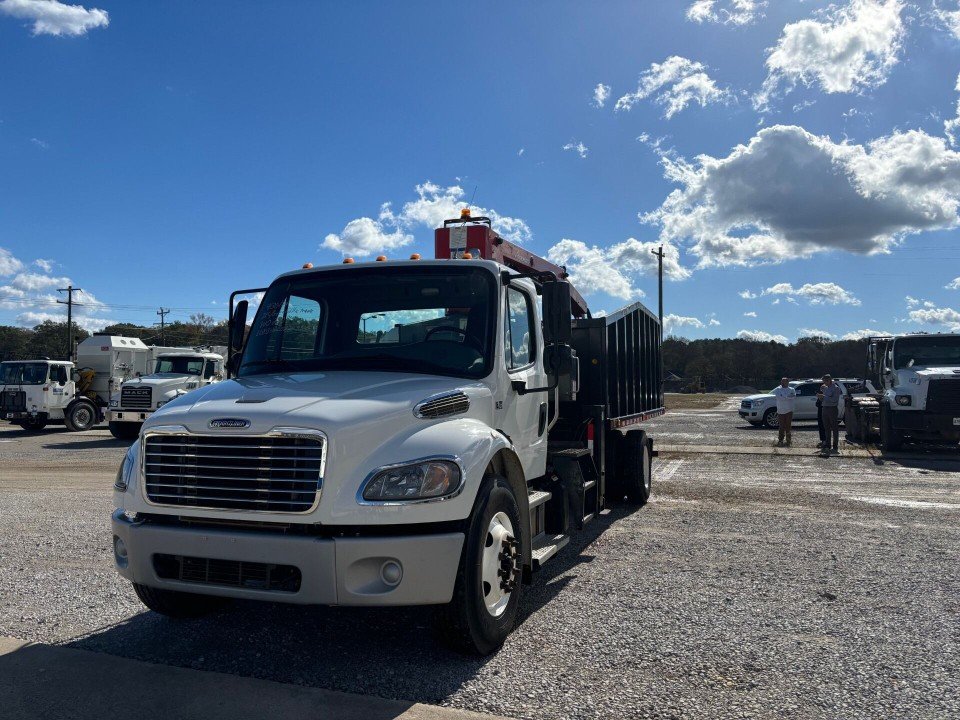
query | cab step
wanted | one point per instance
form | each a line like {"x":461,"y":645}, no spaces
{"x":545,"y":547}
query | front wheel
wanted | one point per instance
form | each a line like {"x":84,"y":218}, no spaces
{"x":33,"y":425}
{"x":80,"y":416}
{"x":175,"y":604}
{"x":637,"y":467}
{"x":125,"y":430}
{"x":771,"y":419}
{"x":891,"y":439}
{"x":483,"y":610}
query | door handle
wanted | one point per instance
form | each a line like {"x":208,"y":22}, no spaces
{"x":543,"y":419}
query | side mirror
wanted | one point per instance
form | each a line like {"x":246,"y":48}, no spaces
{"x":238,"y":325}
{"x":557,"y":311}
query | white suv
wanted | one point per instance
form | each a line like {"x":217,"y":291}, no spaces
{"x":762,"y":409}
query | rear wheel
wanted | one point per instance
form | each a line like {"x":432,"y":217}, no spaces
{"x":178,"y":604}
{"x":771,"y":419}
{"x":125,"y":430}
{"x":637,"y":467}
{"x":483,"y":610}
{"x":80,"y":416}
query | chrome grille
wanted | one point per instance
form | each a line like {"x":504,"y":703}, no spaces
{"x":273,"y":473}
{"x":442,"y":405}
{"x":137,"y":398}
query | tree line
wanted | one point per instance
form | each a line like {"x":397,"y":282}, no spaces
{"x":49,"y":338}
{"x":721,"y":364}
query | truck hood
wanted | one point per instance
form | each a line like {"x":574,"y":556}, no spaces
{"x":328,"y":401}
{"x":933,"y":373}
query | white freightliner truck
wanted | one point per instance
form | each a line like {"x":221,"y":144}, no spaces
{"x":173,"y":375}
{"x":918,"y":391}
{"x":395,"y":433}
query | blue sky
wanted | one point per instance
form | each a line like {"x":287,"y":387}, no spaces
{"x":167,"y":154}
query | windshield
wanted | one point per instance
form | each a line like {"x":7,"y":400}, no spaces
{"x":23,"y":373}
{"x":180,"y":365}
{"x":423,"y":320}
{"x":925,"y":351}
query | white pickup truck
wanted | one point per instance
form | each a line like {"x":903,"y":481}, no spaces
{"x":761,"y":409}
{"x":397,"y":433}
{"x":174,"y":375}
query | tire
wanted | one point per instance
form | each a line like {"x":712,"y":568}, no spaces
{"x":755,"y":424}
{"x":125,"y":430}
{"x":891,"y":439}
{"x":466,"y":624}
{"x":175,"y":604}
{"x":770,"y":419}
{"x":33,"y":425}
{"x":637,"y":467}
{"x":80,"y":416}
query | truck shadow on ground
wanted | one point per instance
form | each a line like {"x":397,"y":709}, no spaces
{"x":391,"y":652}
{"x":88,"y":444}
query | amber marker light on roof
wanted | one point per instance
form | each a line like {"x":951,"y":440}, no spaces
{"x":415,"y":256}
{"x":465,"y":213}
{"x":468,"y":256}
{"x":381,"y":258}
{"x":348,"y":261}
{"x":307,"y":266}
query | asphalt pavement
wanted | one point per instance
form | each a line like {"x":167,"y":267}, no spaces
{"x":752,"y":586}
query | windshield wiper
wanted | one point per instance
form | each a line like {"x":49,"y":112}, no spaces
{"x":272,"y":363}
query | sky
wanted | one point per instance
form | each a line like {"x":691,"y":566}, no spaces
{"x":798,"y":160}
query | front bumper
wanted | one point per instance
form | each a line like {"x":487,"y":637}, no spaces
{"x":748,"y":414}
{"x":946,"y":425}
{"x":121,"y":415}
{"x":22,"y":415}
{"x":333,"y":571}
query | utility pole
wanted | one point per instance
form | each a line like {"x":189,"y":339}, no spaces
{"x":69,"y":290}
{"x":659,"y":254}
{"x":163,"y":314}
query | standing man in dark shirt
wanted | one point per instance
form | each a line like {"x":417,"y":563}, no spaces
{"x":831,"y":414}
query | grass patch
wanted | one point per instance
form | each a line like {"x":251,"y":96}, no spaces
{"x":686,"y":401}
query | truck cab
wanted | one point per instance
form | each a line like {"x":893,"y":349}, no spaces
{"x":394,"y":433}
{"x":34,"y":393}
{"x":174,"y":374}
{"x":918,"y":377}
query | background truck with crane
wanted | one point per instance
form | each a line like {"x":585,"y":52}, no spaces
{"x":917,"y":378}
{"x":413,"y":432}
{"x":173,"y":375}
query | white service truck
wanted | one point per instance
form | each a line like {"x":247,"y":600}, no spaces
{"x":918,"y":391}
{"x":395,"y":433}
{"x":34,"y":393}
{"x":174,"y":374}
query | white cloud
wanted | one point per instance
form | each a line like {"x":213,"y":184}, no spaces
{"x":8,"y":263}
{"x":849,"y":49}
{"x":728,"y":12}
{"x":813,"y":332}
{"x":50,"y":17}
{"x":949,"y":18}
{"x":750,"y":314}
{"x":946,"y":317}
{"x":90,"y":324}
{"x":582,"y":150}
{"x":911,"y":301}
{"x":790,"y":194}
{"x":365,"y":236}
{"x":675,"y":83}
{"x":953,"y":284}
{"x":671,"y":322}
{"x":713,"y":322}
{"x":35,"y":281}
{"x":951,"y":127}
{"x":521,"y":151}
{"x":862,"y":334}
{"x":601,"y":93}
{"x":761,"y":336}
{"x":42,"y":144}
{"x":611,"y":270}
{"x":815,"y":293}
{"x":45,"y":265}
{"x":747,"y":295}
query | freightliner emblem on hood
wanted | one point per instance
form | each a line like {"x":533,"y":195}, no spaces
{"x":232,"y":423}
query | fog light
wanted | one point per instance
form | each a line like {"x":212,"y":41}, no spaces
{"x":391,"y":573}
{"x":119,"y":549}
{"x":903,"y":399}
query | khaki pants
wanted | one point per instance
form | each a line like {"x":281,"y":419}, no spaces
{"x":786,"y":420}
{"x":831,"y":425}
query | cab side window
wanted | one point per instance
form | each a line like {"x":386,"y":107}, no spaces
{"x":518,"y":334}
{"x":58,"y":373}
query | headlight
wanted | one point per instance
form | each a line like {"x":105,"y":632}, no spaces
{"x":126,"y":467}
{"x":161,"y":403}
{"x":903,"y":400}
{"x":426,"y":480}
{"x":114,"y":403}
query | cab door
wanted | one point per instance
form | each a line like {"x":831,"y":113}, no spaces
{"x":523,"y":417}
{"x":61,"y":387}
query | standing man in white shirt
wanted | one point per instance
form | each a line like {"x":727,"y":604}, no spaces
{"x":786,"y":399}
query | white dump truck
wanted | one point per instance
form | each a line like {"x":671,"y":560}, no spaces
{"x":174,"y":374}
{"x":415,"y":432}
{"x":918,"y":391}
{"x":34,"y":393}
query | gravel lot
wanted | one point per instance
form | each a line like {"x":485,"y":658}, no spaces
{"x":752,"y":586}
